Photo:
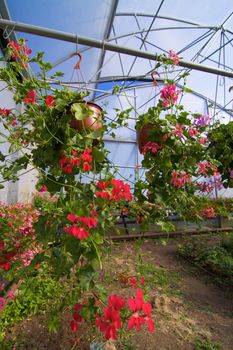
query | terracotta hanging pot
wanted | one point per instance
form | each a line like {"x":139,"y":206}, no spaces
{"x":93,"y":122}
{"x":143,"y":136}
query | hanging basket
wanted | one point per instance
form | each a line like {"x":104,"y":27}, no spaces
{"x":143,"y":136}
{"x":92,"y":122}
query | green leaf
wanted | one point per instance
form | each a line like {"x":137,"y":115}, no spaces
{"x":53,"y":324}
{"x":79,"y":112}
{"x":187,"y":89}
{"x":98,"y":155}
{"x":86,"y":277}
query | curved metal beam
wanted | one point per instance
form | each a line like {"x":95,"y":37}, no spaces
{"x":140,"y":14}
{"x":150,"y":81}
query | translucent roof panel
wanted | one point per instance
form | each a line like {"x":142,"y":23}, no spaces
{"x":198,"y":31}
{"x":86,"y":18}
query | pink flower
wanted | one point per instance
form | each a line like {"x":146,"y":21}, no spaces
{"x":178,"y":130}
{"x":11,"y":295}
{"x":180,"y":179}
{"x":193,"y":132}
{"x":2,"y":302}
{"x":173,"y":55}
{"x":203,"y":140}
{"x":169,"y":95}
{"x":202,"y":120}
{"x":151,"y":146}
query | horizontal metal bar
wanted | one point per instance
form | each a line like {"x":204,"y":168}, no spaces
{"x":104,"y":45}
{"x":165,"y":235}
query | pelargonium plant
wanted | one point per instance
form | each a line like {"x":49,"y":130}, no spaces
{"x":179,"y":167}
{"x":62,"y":238}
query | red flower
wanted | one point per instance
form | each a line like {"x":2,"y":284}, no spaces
{"x":14,"y":122}
{"x":37,"y":266}
{"x":77,"y":317}
{"x":5,"y":265}
{"x":137,"y":319}
{"x":72,"y":218}
{"x":78,"y":307}
{"x":119,"y":191}
{"x":103,"y":194}
{"x":116,"y":302}
{"x":73,"y":326}
{"x":77,"y":232}
{"x":193,"y":132}
{"x":50,"y":101}
{"x":43,"y":189}
{"x":112,"y":319}
{"x":132,"y":281}
{"x":142,"y":280}
{"x":31,"y":97}
{"x":86,"y":167}
{"x":89,"y":222}
{"x":68,"y":169}
{"x":5,"y":111}
{"x":103,"y":185}
{"x":86,"y":157}
{"x":75,"y":153}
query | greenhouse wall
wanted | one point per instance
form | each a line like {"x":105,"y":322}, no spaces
{"x":20,"y":191}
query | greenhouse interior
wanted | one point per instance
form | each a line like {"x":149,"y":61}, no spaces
{"x":116,"y":175}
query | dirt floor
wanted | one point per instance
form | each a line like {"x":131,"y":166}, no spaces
{"x":191,"y":310}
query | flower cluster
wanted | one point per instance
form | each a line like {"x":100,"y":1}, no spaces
{"x":17,"y":228}
{"x":8,"y":117}
{"x":208,"y":212}
{"x":152,"y":147}
{"x":201,"y":120}
{"x":31,"y":98}
{"x":19,"y":52}
{"x":77,"y":318}
{"x":111,"y":320}
{"x":179,"y":179}
{"x":80,"y":225}
{"x":128,"y":280}
{"x":169,"y":95}
{"x":141,"y":312}
{"x":114,"y":190}
{"x":82,"y":160}
{"x":206,"y":168}
{"x":173,"y":55}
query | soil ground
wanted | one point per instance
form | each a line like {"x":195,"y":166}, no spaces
{"x":191,"y":310}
